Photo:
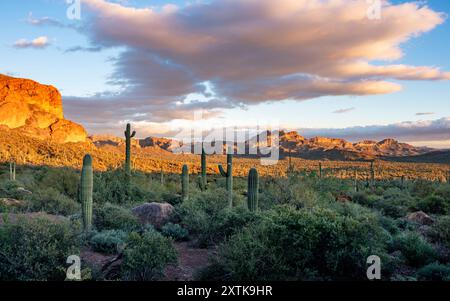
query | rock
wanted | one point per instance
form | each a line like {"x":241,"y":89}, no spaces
{"x":37,"y":110}
{"x":23,"y":190}
{"x":420,"y":217}
{"x":156,"y":214}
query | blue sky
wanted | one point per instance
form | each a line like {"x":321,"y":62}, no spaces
{"x":82,"y":74}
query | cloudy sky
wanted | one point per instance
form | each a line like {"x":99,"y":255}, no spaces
{"x":325,"y":67}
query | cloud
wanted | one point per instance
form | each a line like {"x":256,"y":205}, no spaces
{"x":425,"y":113}
{"x":253,"y":51}
{"x":83,"y":49}
{"x":44,"y":21}
{"x":38,"y":43}
{"x":419,"y":131}
{"x":342,"y":111}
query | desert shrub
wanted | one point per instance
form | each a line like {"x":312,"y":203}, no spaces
{"x":8,"y":189}
{"x":433,"y":204}
{"x":440,"y":231}
{"x":63,"y":180}
{"x":415,"y":250}
{"x":443,"y":191}
{"x":389,"y":224}
{"x":434,"y":272}
{"x":115,"y":187}
{"x":113,"y":217}
{"x":422,"y":188}
{"x":52,"y":201}
{"x":307,"y":244}
{"x":391,"y":210}
{"x":146,"y":255}
{"x":207,"y":216}
{"x":174,"y":231}
{"x":37,"y":249}
{"x":108,"y":241}
{"x":362,"y":198}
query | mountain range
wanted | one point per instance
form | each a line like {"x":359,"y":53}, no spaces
{"x":36,"y":110}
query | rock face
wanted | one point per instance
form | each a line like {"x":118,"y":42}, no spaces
{"x":36,"y":109}
{"x":156,"y":214}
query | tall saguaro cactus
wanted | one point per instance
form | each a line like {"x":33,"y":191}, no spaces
{"x":128,"y":136}
{"x":253,"y":187}
{"x":203,"y":182}
{"x":161,"y":176}
{"x":355,"y":180}
{"x":229,"y":176}
{"x":320,"y":170}
{"x":86,"y":188}
{"x":185,"y":182}
{"x":372,"y":174}
{"x":12,"y":171}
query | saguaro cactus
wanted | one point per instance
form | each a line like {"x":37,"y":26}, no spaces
{"x":253,"y":187}
{"x":128,"y":136}
{"x":203,"y":182}
{"x":86,"y":188}
{"x":12,"y":171}
{"x":185,"y":182}
{"x":372,"y":174}
{"x":229,"y":176}
{"x":355,"y":180}
{"x":161,"y":176}
{"x":320,"y":170}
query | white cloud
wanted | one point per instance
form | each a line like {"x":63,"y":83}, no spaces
{"x":38,"y":43}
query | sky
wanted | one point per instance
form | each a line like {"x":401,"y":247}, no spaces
{"x":330,"y":68}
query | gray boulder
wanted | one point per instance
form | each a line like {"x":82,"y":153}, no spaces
{"x":156,"y":214}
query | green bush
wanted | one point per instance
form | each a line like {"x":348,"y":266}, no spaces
{"x":416,"y":250}
{"x":307,"y":244}
{"x":207,"y":216}
{"x":52,"y":201}
{"x":434,"y":272}
{"x":433,"y":204}
{"x":174,"y":231}
{"x":108,"y":241}
{"x":37,"y":249}
{"x":113,"y":217}
{"x":63,"y":180}
{"x":146,"y":255}
{"x":440,"y":231}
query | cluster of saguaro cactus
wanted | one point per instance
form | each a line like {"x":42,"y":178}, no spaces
{"x":203,"y":182}
{"x":229,"y":176}
{"x":12,"y":171}
{"x":252,"y":191}
{"x":185,"y":182}
{"x":128,"y":136}
{"x":86,"y":188}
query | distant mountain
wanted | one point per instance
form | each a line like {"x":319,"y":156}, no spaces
{"x":431,"y":157}
{"x":292,"y":143}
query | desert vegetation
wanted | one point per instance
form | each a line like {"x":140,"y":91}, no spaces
{"x":299,"y":224}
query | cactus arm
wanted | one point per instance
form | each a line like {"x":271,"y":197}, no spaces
{"x":134,"y":134}
{"x":222,"y":171}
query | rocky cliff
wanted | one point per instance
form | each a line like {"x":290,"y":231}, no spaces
{"x":37,"y":110}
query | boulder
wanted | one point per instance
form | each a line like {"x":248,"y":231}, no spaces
{"x":156,"y":214}
{"x":420,"y":217}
